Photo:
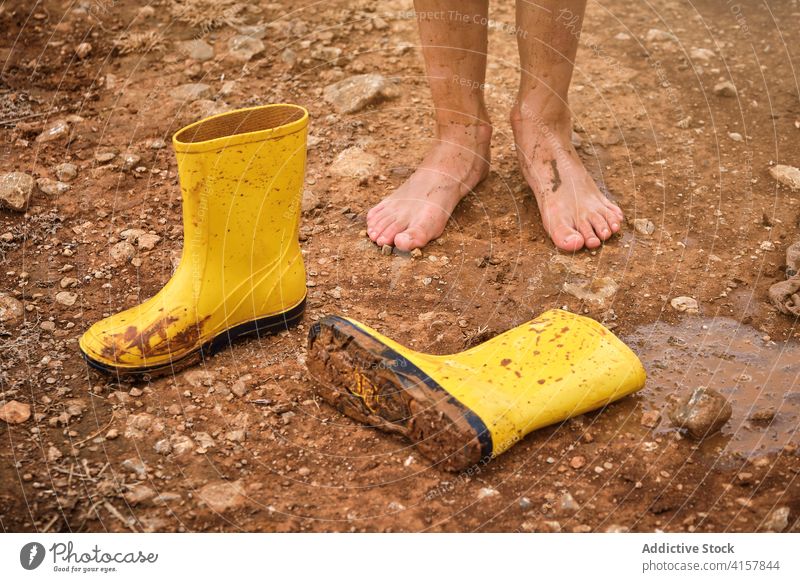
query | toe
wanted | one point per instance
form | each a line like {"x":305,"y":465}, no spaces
{"x":567,"y":238}
{"x":601,"y":227}
{"x":379,"y":226}
{"x":386,"y":237}
{"x":376,"y":210}
{"x":411,"y":238}
{"x":589,"y":237}
{"x":612,"y":219}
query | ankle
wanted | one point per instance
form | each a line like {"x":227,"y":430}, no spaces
{"x":547,"y":115}
{"x":476,"y":132}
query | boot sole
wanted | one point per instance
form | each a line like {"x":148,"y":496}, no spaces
{"x":370,"y":382}
{"x":264,"y":326}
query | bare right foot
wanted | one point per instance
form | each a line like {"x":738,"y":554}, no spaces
{"x":419,"y":209}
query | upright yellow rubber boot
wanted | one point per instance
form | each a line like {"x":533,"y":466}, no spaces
{"x":241,"y":271}
{"x":467,"y":408}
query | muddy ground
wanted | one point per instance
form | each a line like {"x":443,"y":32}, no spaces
{"x":241,"y":443}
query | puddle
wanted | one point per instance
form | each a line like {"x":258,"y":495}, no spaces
{"x":760,"y":378}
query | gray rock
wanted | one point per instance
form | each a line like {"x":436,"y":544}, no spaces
{"x":105,"y":156}
{"x":83,"y":50}
{"x":355,"y":93}
{"x":244,"y":48}
{"x":122,"y":252}
{"x":139,"y":494}
{"x":135,"y":466}
{"x":685,"y":305}
{"x":66,"y":172}
{"x":181,"y":444}
{"x":197,"y":49}
{"x":10,"y":308}
{"x":786,"y":175}
{"x":597,"y":290}
{"x":777,"y":520}
{"x":130,"y":160}
{"x":725,"y":89}
{"x":204,"y":440}
{"x":289,"y":57}
{"x":701,"y":413}
{"x":58,"y":130}
{"x":656,"y":35}
{"x":191,"y":92}
{"x":66,"y":298}
{"x":52,"y":187}
{"x":567,"y":503}
{"x":701,"y":54}
{"x":15,"y":190}
{"x":310,"y":201}
{"x":353,"y":162}
{"x":222,"y":495}
{"x":163,"y":447}
{"x":644,"y":226}
{"x":199,"y":378}
{"x":147,"y":241}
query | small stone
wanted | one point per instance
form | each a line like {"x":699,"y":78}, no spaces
{"x":767,"y":245}
{"x":244,"y":48}
{"x":304,"y":471}
{"x":777,"y":520}
{"x":105,"y":156}
{"x":130,"y":160}
{"x":66,"y":172}
{"x":191,"y":92}
{"x":702,"y":54}
{"x":355,"y":93}
{"x":236,"y":436}
{"x":656,"y":35}
{"x":567,"y":503}
{"x":685,"y":305}
{"x":617,"y":528}
{"x":156,"y":144}
{"x":644,"y":226}
{"x":199,"y":378}
{"x":353,"y":162}
{"x":56,"y":131}
{"x":11,"y":309}
{"x":15,"y":190}
{"x":725,"y":89}
{"x":416,"y":254}
{"x":763,"y":415}
{"x":52,"y":187}
{"x":310,"y":201}
{"x":395,"y":506}
{"x":701,"y":413}
{"x":163,"y":447}
{"x":222,"y":495}
{"x":239,"y":388}
{"x":622,"y":36}
{"x":135,"y":465}
{"x":735,"y":136}
{"x":204,"y":440}
{"x":289,"y":57}
{"x":83,"y":50}
{"x":112,"y":434}
{"x":525,"y":503}
{"x":786,"y":175}
{"x":577,"y":462}
{"x":181,"y":444}
{"x":386,"y":250}
{"x":147,"y":241}
{"x":139,"y":494}
{"x":597,"y":290}
{"x":196,"y":49}
{"x":651,"y":418}
{"x":485,"y":492}
{"x":53,"y":454}
{"x":122,"y":252}
{"x":553,"y":526}
{"x":68,"y":282}
{"x":66,"y":298}
{"x":13,"y":412}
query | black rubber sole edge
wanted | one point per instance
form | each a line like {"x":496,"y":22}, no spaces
{"x":264,"y":326}
{"x":408,"y":378}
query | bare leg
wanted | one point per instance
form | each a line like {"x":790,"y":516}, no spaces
{"x":574,"y":211}
{"x":454,"y":45}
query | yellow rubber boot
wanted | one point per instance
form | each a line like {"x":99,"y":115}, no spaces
{"x":467,"y":408}
{"x":241,"y":271}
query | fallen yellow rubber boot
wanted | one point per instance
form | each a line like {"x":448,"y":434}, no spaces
{"x":241,"y":271}
{"x":467,"y":408}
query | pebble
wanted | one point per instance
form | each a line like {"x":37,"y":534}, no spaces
{"x":239,"y":388}
{"x":15,"y":190}
{"x":243,"y":48}
{"x":105,"y":156}
{"x":222,"y":496}
{"x":725,"y":89}
{"x":386,"y":250}
{"x":597,"y":290}
{"x":66,"y":172}
{"x":11,"y":309}
{"x":354,"y":93}
{"x":67,"y":298}
{"x":702,"y":54}
{"x":181,"y":444}
{"x":147,"y":241}
{"x":786,"y":175}
{"x":191,"y":92}
{"x":112,"y":434}
{"x":156,"y":144}
{"x":130,"y":160}
{"x":289,"y":57}
{"x":353,"y":162}
{"x":52,"y":187}
{"x":553,"y":526}
{"x":644,"y":226}
{"x":310,"y":201}
{"x":617,"y":528}
{"x":577,"y":462}
{"x":701,"y":413}
{"x":651,"y":418}
{"x":56,"y":131}
{"x":656,"y":35}
{"x":735,"y":136}
{"x":53,"y":454}
{"x":304,"y":471}
{"x":567,"y":503}
{"x":198,"y":378}
{"x":685,"y":304}
{"x":197,"y":49}
{"x":135,"y":465}
{"x":122,"y":252}
{"x":525,"y":503}
{"x":139,"y":494}
{"x":777,"y":520}
{"x":13,"y":412}
{"x":83,"y":50}
{"x":485,"y":492}
{"x":416,"y":254}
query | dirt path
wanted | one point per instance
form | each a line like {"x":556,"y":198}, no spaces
{"x":241,"y":443}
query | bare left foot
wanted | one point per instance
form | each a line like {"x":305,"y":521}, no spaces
{"x":574,"y":212}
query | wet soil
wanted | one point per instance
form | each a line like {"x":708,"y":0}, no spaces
{"x":242,"y":442}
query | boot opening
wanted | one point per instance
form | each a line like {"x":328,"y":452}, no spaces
{"x":240,"y":122}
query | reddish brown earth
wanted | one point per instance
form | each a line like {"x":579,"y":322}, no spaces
{"x":652,"y":130}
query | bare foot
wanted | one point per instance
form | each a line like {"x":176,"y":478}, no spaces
{"x":419,"y":209}
{"x":574,"y":211}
